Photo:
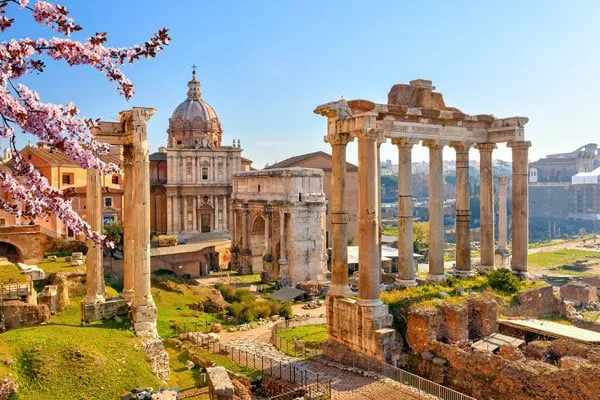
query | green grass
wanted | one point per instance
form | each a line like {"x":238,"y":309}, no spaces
{"x":554,"y":318}
{"x":308,"y":334}
{"x":235,"y":277}
{"x":64,"y":360}
{"x":546,"y":243}
{"x":60,"y":265}
{"x":181,"y":376}
{"x":390,"y":231}
{"x":593,"y":316}
{"x":9,"y":272}
{"x":562,"y":261}
{"x":173,"y":306}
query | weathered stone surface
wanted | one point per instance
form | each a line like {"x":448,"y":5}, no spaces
{"x":568,"y":362}
{"x":48,"y":296}
{"x":581,"y":292}
{"x":215,"y":303}
{"x":511,"y":353}
{"x":8,"y":386}
{"x":455,"y":322}
{"x":423,"y":327}
{"x":483,"y":316}
{"x":538,"y":350}
{"x":535,"y":302}
{"x":110,"y":308}
{"x":16,"y":314}
{"x":219,"y":384}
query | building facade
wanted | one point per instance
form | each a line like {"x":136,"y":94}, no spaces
{"x":191,"y":177}
{"x":279,"y":224}
{"x":323,"y":161}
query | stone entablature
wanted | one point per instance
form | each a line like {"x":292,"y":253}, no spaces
{"x":279,"y":217}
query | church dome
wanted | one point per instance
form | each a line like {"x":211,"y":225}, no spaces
{"x":194,"y":106}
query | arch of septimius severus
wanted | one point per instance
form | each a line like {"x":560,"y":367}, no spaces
{"x":414,"y":114}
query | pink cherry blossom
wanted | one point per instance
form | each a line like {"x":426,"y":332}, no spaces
{"x":60,"y":125}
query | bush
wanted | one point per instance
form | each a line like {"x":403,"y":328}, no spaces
{"x":503,"y":280}
{"x":275,"y":306}
{"x":248,"y":314}
{"x":286,"y":310}
{"x":235,"y":309}
{"x":243,"y":295}
{"x":262,"y":309}
{"x":228,"y":293}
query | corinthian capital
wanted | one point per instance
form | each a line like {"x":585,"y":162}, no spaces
{"x":339,"y":138}
{"x":366,"y":134}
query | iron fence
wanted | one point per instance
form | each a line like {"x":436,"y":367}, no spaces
{"x":297,"y":347}
{"x":315,"y":383}
{"x":15,"y":290}
{"x":194,"y":326}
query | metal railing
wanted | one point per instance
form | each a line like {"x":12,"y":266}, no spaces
{"x":317,"y":384}
{"x":187,"y":327}
{"x":15,"y":290}
{"x":297,"y":347}
{"x":309,"y":392}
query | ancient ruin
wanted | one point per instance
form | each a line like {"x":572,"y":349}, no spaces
{"x":414,"y":113}
{"x":130,"y":133}
{"x":279,"y":224}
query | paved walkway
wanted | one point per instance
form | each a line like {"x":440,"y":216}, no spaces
{"x":346,"y":385}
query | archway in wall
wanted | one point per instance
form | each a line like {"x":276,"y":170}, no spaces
{"x":257,"y":244}
{"x":10,"y":252}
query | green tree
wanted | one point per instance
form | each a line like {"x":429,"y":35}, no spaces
{"x":114,"y":233}
{"x":420,"y":236}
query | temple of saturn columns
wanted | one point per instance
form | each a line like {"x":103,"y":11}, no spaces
{"x":414,"y":114}
{"x":131,"y":134}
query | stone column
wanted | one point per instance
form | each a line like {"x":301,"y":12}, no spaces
{"x":520,"y":208}
{"x":94,"y":269}
{"x":194,"y":213}
{"x":169,"y":215}
{"x":436,"y":211}
{"x":129,"y":222}
{"x":141,"y":201}
{"x":463,"y":212}
{"x":502,"y":213}
{"x":369,"y":267}
{"x":246,"y":253}
{"x":184,"y":213}
{"x":486,"y":205}
{"x":284,"y":278}
{"x":339,"y":215}
{"x":267,"y":274}
{"x":225,"y":213}
{"x":406,"y":272}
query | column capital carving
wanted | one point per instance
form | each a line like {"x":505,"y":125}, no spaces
{"x":461,"y":146}
{"x":405,"y":142}
{"x":435,"y":144}
{"x":519,"y":144}
{"x":339,"y":138}
{"x":368,"y":134}
{"x":486,"y":147}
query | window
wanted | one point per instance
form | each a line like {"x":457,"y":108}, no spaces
{"x":258,"y":188}
{"x":2,"y":221}
{"x":108,"y":202}
{"x":204,"y":173}
{"x":115,"y":179}
{"x":67,"y":179}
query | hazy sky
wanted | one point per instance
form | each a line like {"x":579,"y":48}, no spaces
{"x":265,"y":65}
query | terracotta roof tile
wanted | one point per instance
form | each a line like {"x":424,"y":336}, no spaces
{"x":294,"y":161}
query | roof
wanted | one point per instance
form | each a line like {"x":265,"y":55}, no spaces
{"x":294,"y":161}
{"x":194,"y":106}
{"x":287,"y":294}
{"x":553,"y":329}
{"x":158,"y":156}
{"x":58,"y":158}
{"x":583,"y":178}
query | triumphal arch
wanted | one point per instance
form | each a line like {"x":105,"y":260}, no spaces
{"x":413,"y":114}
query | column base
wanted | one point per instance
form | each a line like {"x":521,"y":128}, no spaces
{"x":523,"y":275}
{"x":338,"y":290}
{"x":486,"y":268}
{"x":463,"y":273}
{"x":128,"y":295}
{"x":406,"y":282}
{"x":369,"y":302}
{"x":435,"y":277}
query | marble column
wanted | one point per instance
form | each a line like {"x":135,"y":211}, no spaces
{"x":184,"y":212}
{"x":520,"y":207}
{"x":141,"y":201}
{"x":502,"y":213}
{"x":129,"y":222}
{"x":406,"y":271}
{"x":194,"y":213}
{"x":217,"y":222}
{"x":463,"y":212}
{"x":436,"y":211}
{"x":225,"y":213}
{"x":486,"y":205}
{"x":169,"y":215}
{"x":369,"y":266}
{"x":339,"y":216}
{"x":94,"y":269}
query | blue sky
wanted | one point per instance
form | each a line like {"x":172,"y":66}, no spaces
{"x":265,"y":65}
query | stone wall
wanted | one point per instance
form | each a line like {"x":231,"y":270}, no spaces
{"x":16,"y":314}
{"x":68,"y":284}
{"x":362,"y":329}
{"x":534,"y":302}
{"x":592,"y":281}
{"x":508,"y":376}
{"x":581,"y":293}
{"x":220,"y":386}
{"x":453,"y":323}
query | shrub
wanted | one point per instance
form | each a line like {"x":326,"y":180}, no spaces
{"x":504,"y":281}
{"x":228,"y":293}
{"x":262,"y":309}
{"x":286,"y":310}
{"x":235,"y":309}
{"x":275,"y":306}
{"x":243,"y":295}
{"x":248,"y":314}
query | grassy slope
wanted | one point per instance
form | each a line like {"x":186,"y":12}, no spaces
{"x":64,"y":360}
{"x":9,"y":272}
{"x":309,"y":333}
{"x":60,"y":265}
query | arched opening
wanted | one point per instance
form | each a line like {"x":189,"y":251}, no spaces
{"x":257,"y":244}
{"x":205,"y":215}
{"x":10,"y":252}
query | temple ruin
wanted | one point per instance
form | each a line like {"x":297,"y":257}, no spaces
{"x":414,"y":114}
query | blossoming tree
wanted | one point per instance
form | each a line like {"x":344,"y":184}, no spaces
{"x":60,"y":125}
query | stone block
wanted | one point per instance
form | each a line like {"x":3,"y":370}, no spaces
{"x":49,"y":297}
{"x":456,"y":322}
{"x":483,"y":317}
{"x":424,"y":326}
{"x":97,"y":311}
{"x":538,"y":301}
{"x":16,"y":314}
{"x":219,"y":384}
{"x":579,"y":292}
